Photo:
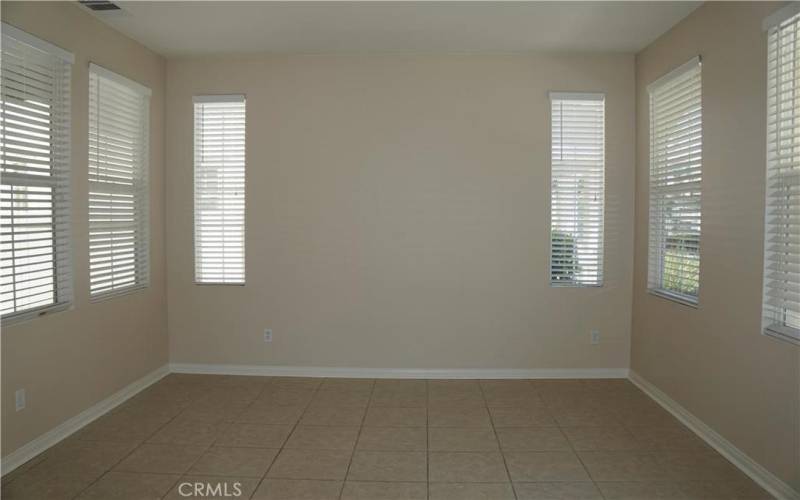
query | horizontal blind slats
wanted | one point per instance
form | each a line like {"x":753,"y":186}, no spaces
{"x":219,"y":189}
{"x":35,"y":260}
{"x":675,"y":184}
{"x":577,"y":190}
{"x":118,"y":186}
{"x":781,"y":295}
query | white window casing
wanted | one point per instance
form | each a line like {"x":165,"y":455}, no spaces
{"x":119,"y":243}
{"x":35,"y":247}
{"x":577,"y":154}
{"x":781,"y":296}
{"x":676,"y":150}
{"x":219,"y":189}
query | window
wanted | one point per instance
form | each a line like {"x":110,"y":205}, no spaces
{"x":577,"y":151}
{"x":676,"y":142}
{"x":118,"y":187}
{"x":35,"y":261}
{"x":781,"y":306}
{"x":219,"y":177}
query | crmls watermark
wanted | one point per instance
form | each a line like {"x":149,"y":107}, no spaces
{"x":200,"y":489}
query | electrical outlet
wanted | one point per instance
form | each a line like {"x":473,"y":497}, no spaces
{"x":595,"y":336}
{"x":19,"y":396}
{"x":268,"y":335}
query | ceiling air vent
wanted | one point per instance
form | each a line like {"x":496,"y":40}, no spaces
{"x":99,"y":5}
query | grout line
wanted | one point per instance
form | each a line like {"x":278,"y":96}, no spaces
{"x":297,"y":422}
{"x":497,"y":438}
{"x":358,"y":437}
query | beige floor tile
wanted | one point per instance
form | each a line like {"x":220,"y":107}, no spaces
{"x":719,"y":490}
{"x":701,"y":466}
{"x":458,"y":417}
{"x":641,"y":490}
{"x":211,"y":413}
{"x":58,"y":485}
{"x":161,"y":458}
{"x":399,"y":399}
{"x":255,"y":435}
{"x":357,"y":490}
{"x":532,"y":439}
{"x":314,"y":437}
{"x":310,"y":464}
{"x":512,"y":397}
{"x":624,"y":466}
{"x":73,"y":456}
{"x":393,"y":439}
{"x":471,"y":491}
{"x":521,"y":417}
{"x":459,"y":467}
{"x":294,"y":383}
{"x":122,"y":426}
{"x":267,"y":414}
{"x":291,"y":489}
{"x":667,"y":437}
{"x":558,"y":491}
{"x":462,"y":439}
{"x":213,"y":487}
{"x":286,"y":397}
{"x":388,"y":466}
{"x":129,"y":486}
{"x":336,"y":398}
{"x":347,"y":385}
{"x":188,"y":431}
{"x":408,"y":385}
{"x":396,"y":417}
{"x":227,"y":461}
{"x":333,"y":415}
{"x":585,"y":417}
{"x":601,"y":438}
{"x":545,"y":466}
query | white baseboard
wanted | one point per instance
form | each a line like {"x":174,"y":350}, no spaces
{"x":337,"y":372}
{"x":737,"y":457}
{"x":69,"y":427}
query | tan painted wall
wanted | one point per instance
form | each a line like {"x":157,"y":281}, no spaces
{"x":397,"y":214}
{"x":713,"y":359}
{"x":70,"y":360}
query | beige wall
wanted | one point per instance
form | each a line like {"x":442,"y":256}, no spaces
{"x":397,"y":214}
{"x":713,"y":359}
{"x":70,"y":360}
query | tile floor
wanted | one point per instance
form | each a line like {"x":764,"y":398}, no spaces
{"x":318,"y":439}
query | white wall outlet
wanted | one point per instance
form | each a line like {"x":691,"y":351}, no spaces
{"x":19,"y":397}
{"x":595,"y":336}
{"x":268,"y":335}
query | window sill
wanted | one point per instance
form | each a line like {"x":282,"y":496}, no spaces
{"x":784,"y":333}
{"x":101,"y":297}
{"x":24,"y":316}
{"x":675,"y":297}
{"x":217,"y":283}
{"x":567,"y":284}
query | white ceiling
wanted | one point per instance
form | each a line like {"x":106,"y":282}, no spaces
{"x":228,"y":27}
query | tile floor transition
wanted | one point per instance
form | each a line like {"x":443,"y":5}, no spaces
{"x":319,"y":439}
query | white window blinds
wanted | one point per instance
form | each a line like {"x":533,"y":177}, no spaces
{"x":35,"y":261}
{"x":576,"y":189}
{"x":219,"y":189}
{"x":676,"y":138}
{"x":782,"y":232}
{"x":118,"y":186}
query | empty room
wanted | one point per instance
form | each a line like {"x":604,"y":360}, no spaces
{"x":388,"y":250}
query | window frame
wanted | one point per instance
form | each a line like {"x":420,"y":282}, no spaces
{"x":655,"y":285}
{"x":217,"y":99}
{"x":58,"y":181}
{"x":599,"y":281}
{"x":140,"y":192}
{"x":781,"y":19}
